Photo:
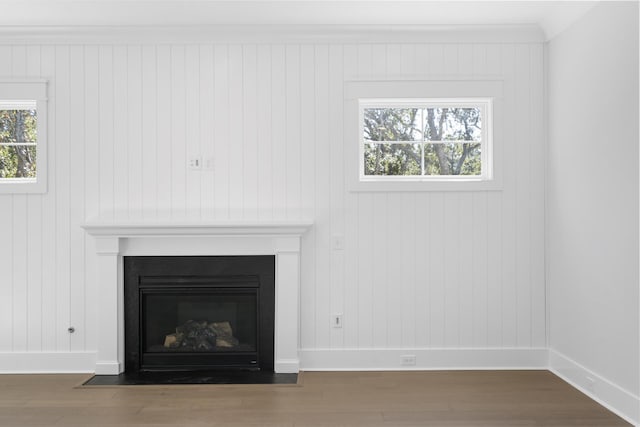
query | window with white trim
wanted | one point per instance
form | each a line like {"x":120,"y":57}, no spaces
{"x":425,"y":139}
{"x":23,"y":118}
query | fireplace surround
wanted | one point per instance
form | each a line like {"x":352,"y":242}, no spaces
{"x":199,"y":313}
{"x":116,"y":240}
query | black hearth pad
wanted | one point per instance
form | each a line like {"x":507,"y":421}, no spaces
{"x":193,"y":377}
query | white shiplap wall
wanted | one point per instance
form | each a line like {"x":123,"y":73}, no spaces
{"x":424,"y":270}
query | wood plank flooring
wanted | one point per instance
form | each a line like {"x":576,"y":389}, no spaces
{"x":435,"y":398}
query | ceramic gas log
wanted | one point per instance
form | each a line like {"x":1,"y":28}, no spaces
{"x":200,"y":335}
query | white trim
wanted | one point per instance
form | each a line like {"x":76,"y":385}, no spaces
{"x":18,"y":104}
{"x":367,"y":359}
{"x":47,"y":362}
{"x":608,"y":394}
{"x":466,"y":88}
{"x":200,"y":228}
{"x":264,"y":34}
{"x":33,"y":91}
{"x":114,"y":240}
{"x":108,"y":368}
{"x":285,"y":366}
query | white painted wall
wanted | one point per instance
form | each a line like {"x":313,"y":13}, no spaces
{"x":420,"y":270}
{"x":593,"y":204}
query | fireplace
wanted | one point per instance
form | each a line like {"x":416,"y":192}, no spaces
{"x":199,"y":313}
{"x":117,"y":240}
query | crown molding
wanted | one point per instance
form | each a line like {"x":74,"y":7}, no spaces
{"x":265,"y":34}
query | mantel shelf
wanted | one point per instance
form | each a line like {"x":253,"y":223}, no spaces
{"x":199,"y":228}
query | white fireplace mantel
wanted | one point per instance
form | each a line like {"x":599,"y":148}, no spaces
{"x":117,"y":239}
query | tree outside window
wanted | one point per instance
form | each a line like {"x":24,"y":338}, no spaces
{"x":18,"y":139}
{"x":424,"y":139}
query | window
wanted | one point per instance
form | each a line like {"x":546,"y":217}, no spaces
{"x":22,"y":137}
{"x":425,"y":139}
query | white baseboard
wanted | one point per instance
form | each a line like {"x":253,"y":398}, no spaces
{"x":425,"y":359}
{"x":287,"y":366}
{"x":108,"y":368}
{"x":610,"y":395}
{"x":47,"y":363}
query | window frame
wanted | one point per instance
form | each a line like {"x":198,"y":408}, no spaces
{"x":418,"y":87}
{"x":21,"y":91}
{"x":486,"y":153}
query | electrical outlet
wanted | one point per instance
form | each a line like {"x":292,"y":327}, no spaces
{"x":408,"y":360}
{"x":336,"y":320}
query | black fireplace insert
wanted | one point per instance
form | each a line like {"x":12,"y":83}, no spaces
{"x":199,"y":313}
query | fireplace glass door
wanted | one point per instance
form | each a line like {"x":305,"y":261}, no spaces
{"x":193,"y":325}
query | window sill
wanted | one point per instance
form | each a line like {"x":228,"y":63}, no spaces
{"x":418,"y":186}
{"x":26,"y":186}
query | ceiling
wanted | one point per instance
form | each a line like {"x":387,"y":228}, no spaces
{"x":551,"y":16}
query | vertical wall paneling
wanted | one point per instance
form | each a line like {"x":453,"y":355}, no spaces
{"x":221,"y":136}
{"x":63,"y":208}
{"x":421,"y":267}
{"x":6,"y":249}
{"x":365,"y":252}
{"x":394,"y":285}
{"x":380,"y":267}
{"x":536,"y":202}
{"x":76,"y":216}
{"x":308,"y":115}
{"x":90,"y":140}
{"x":250,"y":132}
{"x":121,"y":114}
{"x":192,"y":133}
{"x":406,"y":279}
{"x":436,"y":269}
{"x":352,"y":285}
{"x":408,"y":59}
{"x":509,"y":208}
{"x":465,"y":264}
{"x":477,"y":55}
{"x":164,"y":124}
{"x":133,"y":142}
{"x":310,"y":288}
{"x":307,"y":135}
{"x":149,"y":128}
{"x":292,"y":130}
{"x":264,"y":146}
{"x":494,"y":270}
{"x":319,"y":329}
{"x":451,"y":268}
{"x":236,"y":132}
{"x":106,"y":136}
{"x":493,"y":63}
{"x":204,"y":125}
{"x":7,"y":281}
{"x":337,"y":190}
{"x":34,"y":239}
{"x":49,"y":211}
{"x":179,"y":144}
{"x":524,"y":145}
{"x":20,"y":238}
{"x":278,"y":130}
{"x":416,"y":270}
{"x":479,"y":270}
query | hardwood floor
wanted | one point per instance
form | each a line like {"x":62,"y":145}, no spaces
{"x":436,"y":398}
